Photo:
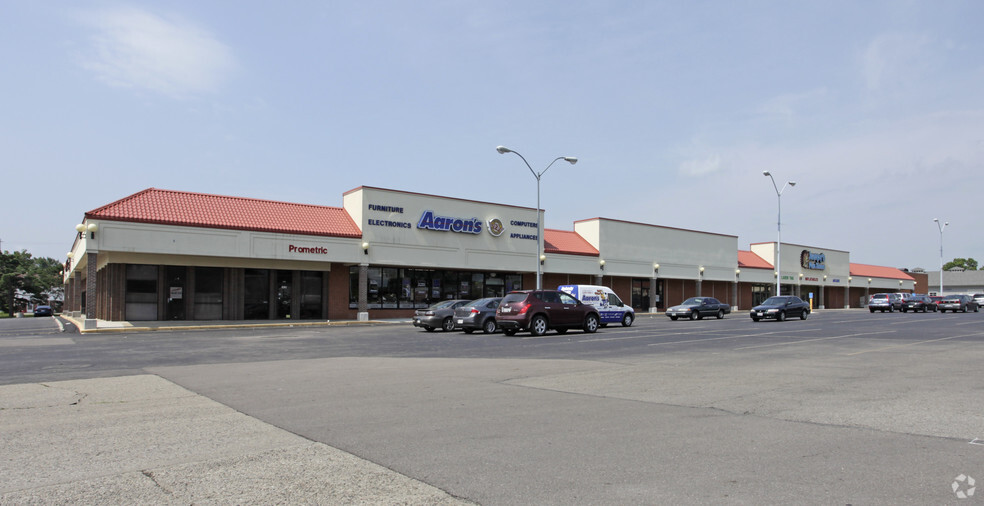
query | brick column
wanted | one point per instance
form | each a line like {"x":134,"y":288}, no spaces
{"x":91,"y":290}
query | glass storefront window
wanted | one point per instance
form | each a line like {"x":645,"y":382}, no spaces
{"x":311,"y":283}
{"x":208,"y":293}
{"x":256,"y":300}
{"x":393,"y":288}
{"x":141,"y":292}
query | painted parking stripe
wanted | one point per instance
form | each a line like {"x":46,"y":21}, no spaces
{"x":813,"y":340}
{"x":916,"y":343}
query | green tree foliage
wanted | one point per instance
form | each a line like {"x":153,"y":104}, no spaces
{"x":35,"y":276}
{"x":968,"y":264}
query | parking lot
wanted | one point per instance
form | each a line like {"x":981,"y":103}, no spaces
{"x":845,"y":407}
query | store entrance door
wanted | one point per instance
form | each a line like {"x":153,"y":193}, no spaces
{"x":175,"y":309}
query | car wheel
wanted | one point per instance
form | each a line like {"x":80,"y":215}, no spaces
{"x":976,"y":309}
{"x":538,"y":326}
{"x":942,"y":310}
{"x":447,"y":325}
{"x":891,"y":309}
{"x":509,"y":332}
{"x":720,"y":314}
{"x":627,"y":320}
{"x":489,"y":326}
{"x":674,"y":318}
{"x":871,"y":309}
{"x":905,"y":310}
{"x":590,"y":323}
{"x":781,"y":317}
{"x":804,"y":315}
{"x":694,"y":315}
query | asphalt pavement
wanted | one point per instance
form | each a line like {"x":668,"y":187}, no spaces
{"x":844,"y":408}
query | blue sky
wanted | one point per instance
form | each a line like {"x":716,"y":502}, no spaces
{"x":875,"y":109}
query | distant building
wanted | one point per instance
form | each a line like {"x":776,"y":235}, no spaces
{"x":956,"y":281}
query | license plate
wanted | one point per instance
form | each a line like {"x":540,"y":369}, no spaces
{"x":460,"y":321}
{"x":506,"y":310}
{"x":761,"y":314}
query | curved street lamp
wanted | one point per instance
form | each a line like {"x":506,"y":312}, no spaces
{"x":778,"y":226}
{"x":941,"y":227}
{"x":539,"y":229}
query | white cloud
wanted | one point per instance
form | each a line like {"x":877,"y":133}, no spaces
{"x":701,"y":166}
{"x":891,"y":60}
{"x":136,"y":49}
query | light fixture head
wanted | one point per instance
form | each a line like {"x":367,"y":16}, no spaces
{"x":601,"y":263}
{"x":792,"y":183}
{"x":503,"y":150}
{"x":656,"y":266}
{"x":937,"y":220}
{"x":701,"y":268}
{"x":869,"y":280}
{"x":92,"y":227}
{"x":365,"y":248}
{"x":80,"y":228}
{"x":70,"y":254}
{"x":543,"y":258}
{"x":766,"y":173}
{"x":570,"y":159}
{"x":737,"y":271}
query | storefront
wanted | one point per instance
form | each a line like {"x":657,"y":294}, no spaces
{"x":167,"y":255}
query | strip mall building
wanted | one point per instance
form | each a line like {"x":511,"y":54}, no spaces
{"x":169,"y":255}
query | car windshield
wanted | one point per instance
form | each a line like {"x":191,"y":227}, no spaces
{"x":775,"y":301}
{"x":693,"y":301}
{"x":477,"y":303}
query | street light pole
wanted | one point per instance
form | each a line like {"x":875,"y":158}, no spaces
{"x":778,"y":226}
{"x":539,"y":229}
{"x":941,"y":227}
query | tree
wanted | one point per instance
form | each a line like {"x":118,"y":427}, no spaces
{"x":35,"y":276}
{"x":967,"y":264}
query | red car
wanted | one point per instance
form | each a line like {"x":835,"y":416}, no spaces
{"x":540,"y":310}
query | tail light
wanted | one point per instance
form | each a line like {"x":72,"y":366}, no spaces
{"x":474,"y":311}
{"x":523,"y":309}
{"x":428,"y":313}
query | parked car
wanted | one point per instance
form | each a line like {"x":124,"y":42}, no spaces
{"x":885,"y":302}
{"x":918,"y":302}
{"x":696,"y":308}
{"x":477,"y":314}
{"x":43,"y":311}
{"x":438,"y":315}
{"x":936,"y":298}
{"x":540,"y":310}
{"x":780,"y":308}
{"x":962,"y":303}
{"x":979,"y":299}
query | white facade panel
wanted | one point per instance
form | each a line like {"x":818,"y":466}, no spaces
{"x":423,"y":230}
{"x":680,"y":253}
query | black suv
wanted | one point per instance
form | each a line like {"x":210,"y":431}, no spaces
{"x":542,"y":310}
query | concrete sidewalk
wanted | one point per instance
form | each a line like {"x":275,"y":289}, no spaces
{"x":145,"y":440}
{"x":102,"y":326}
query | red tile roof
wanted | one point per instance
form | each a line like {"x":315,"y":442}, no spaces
{"x":748,"y":259}
{"x":877,"y":271}
{"x":168,"y":207}
{"x":566,"y":242}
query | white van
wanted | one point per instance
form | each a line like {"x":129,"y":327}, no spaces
{"x":609,"y":306}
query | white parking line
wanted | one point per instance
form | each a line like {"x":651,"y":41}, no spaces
{"x":812,"y":340}
{"x":913,"y":344}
